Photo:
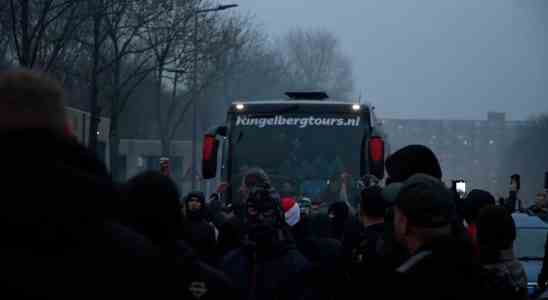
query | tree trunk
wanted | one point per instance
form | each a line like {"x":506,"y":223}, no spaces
{"x":25,"y":39}
{"x":115,"y":161}
{"x":114,"y":137}
{"x":94,"y":93}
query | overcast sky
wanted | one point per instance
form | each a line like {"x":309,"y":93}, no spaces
{"x":432,"y":58}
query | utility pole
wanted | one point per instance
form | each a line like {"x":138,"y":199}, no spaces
{"x":194,"y":169}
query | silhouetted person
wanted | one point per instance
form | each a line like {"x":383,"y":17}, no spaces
{"x":198,"y":232}
{"x":440,"y":266}
{"x":268,"y":265}
{"x":153,"y":209}
{"x":60,"y":209}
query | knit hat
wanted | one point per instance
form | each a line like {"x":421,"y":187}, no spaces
{"x":291,"y":209}
{"x":410,"y":160}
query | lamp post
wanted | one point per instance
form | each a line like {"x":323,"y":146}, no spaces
{"x":193,"y":171}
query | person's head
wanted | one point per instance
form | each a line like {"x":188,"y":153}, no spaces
{"x":287,"y":188}
{"x":372,"y":205}
{"x":29,"y":99}
{"x":423,"y":213}
{"x":496,"y":229}
{"x":410,"y":160}
{"x":540,"y":200}
{"x":515,"y":182}
{"x":306,"y":206}
{"x":264,"y":215}
{"x":338,"y":212}
{"x":152,"y":207}
{"x":474,"y":202}
{"x":252,"y":177}
{"x":334,"y":184}
{"x":195,"y":205}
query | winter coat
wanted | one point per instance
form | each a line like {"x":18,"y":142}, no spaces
{"x":444,"y":270}
{"x":327,"y":278}
{"x":277,"y":273}
{"x":60,"y":237}
{"x":199,"y":280}
{"x":369,"y":263}
{"x":200,"y":235}
{"x":506,"y":277}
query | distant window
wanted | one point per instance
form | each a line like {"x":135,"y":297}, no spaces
{"x":152,"y":162}
{"x":102,"y":151}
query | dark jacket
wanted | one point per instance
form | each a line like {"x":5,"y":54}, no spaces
{"x":505,"y":276}
{"x":199,"y":280}
{"x":327,"y":278}
{"x":197,"y":231}
{"x":369,"y":263}
{"x":444,"y":270}
{"x":200,"y":235}
{"x":60,"y":237}
{"x":153,"y":209}
{"x":512,"y":201}
{"x":543,"y":276}
{"x":278,"y":272}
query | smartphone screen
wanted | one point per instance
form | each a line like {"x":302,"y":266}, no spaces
{"x":461,"y":187}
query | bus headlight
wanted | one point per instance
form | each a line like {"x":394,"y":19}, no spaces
{"x":356,"y":107}
{"x":240,"y":106}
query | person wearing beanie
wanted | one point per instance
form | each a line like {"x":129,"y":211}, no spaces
{"x":368,"y":263}
{"x":474,"y":202}
{"x":496,"y":235}
{"x":268,"y":265}
{"x":440,"y":266}
{"x":197,"y":231}
{"x":411,"y":160}
{"x":153,"y":209}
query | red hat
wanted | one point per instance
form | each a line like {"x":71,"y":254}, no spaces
{"x":291,"y":210}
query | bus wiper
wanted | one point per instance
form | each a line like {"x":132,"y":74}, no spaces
{"x":240,"y":136}
{"x":530,"y":258}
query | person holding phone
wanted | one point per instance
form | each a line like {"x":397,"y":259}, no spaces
{"x":513,"y":203}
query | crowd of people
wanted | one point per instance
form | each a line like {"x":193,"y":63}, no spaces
{"x":69,"y":231}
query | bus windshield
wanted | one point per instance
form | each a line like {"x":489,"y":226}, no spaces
{"x":303,"y":154}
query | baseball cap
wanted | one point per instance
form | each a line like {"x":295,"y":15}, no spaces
{"x":426,"y":202}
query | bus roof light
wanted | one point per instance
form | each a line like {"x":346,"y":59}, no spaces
{"x":356,"y":107}
{"x":240,"y":106}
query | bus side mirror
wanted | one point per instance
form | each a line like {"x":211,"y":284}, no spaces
{"x":210,"y":148}
{"x":375,"y":153}
{"x":221,"y":130}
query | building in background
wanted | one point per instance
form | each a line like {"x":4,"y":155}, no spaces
{"x":467,"y":149}
{"x":137,"y":155}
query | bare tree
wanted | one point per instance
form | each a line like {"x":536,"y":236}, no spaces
{"x":119,"y":60}
{"x":129,"y":62}
{"x":40,"y":29}
{"x":314,"y":60}
{"x":170,"y":36}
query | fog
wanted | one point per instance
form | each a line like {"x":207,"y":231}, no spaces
{"x":432,"y":59}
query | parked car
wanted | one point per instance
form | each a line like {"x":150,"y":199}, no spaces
{"x":529,"y":246}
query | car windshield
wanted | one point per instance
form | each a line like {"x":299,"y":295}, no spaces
{"x":302,"y":154}
{"x":530,"y":243}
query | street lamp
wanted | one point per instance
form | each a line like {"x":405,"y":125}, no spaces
{"x":194,"y":87}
